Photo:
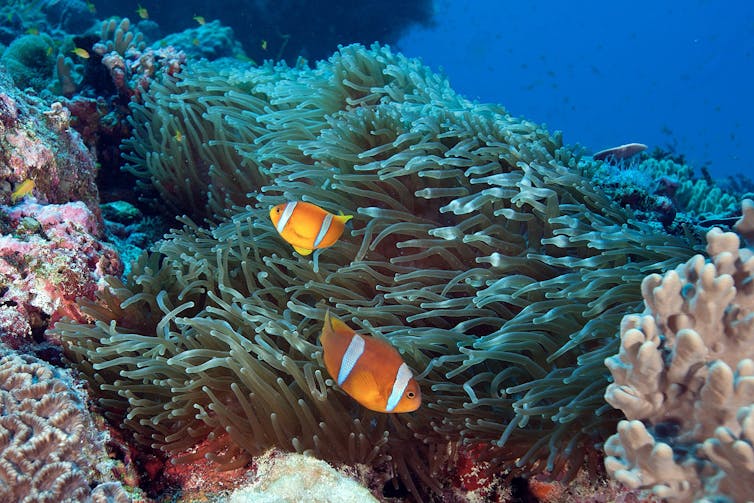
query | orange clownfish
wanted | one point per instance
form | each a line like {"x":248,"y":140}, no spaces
{"x":370,"y":370}
{"x":306,"y":226}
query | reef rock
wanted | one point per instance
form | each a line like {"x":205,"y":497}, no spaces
{"x":38,"y":144}
{"x":49,"y":256}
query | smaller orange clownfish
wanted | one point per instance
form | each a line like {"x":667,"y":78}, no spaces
{"x":306,"y":226}
{"x":369,"y":370}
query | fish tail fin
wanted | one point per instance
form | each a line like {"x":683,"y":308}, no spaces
{"x":343,"y":217}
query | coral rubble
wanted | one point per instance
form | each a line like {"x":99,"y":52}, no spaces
{"x":295,"y":477}
{"x":684,"y":379}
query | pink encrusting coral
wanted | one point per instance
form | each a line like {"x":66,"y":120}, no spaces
{"x":49,"y":256}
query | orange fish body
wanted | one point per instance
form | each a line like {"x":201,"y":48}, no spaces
{"x":370,"y":370}
{"x":306,"y":226}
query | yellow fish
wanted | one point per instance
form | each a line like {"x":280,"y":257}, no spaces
{"x":369,"y":370}
{"x":142,"y":12}
{"x":81,"y":53}
{"x":178,"y":136}
{"x":264,"y":45}
{"x":91,"y":7}
{"x":22,"y":190}
{"x":306,"y":226}
{"x":200,"y":20}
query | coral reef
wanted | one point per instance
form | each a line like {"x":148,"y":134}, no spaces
{"x":291,"y":29}
{"x":478,"y":249}
{"x":666,"y":193}
{"x":119,"y":36}
{"x":37,"y":143}
{"x":211,"y":41}
{"x":684,"y":379}
{"x":72,"y":16}
{"x":49,"y":256}
{"x":29,"y":61}
{"x":50,"y":449}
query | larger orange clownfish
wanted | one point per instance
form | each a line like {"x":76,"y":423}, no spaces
{"x":306,"y":226}
{"x":370,"y":370}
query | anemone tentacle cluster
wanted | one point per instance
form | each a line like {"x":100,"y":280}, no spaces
{"x":478,"y":248}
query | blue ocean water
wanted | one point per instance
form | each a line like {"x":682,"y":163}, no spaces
{"x":675,"y":75}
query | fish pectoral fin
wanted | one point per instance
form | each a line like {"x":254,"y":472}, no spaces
{"x":363,"y":387}
{"x":302,"y":251}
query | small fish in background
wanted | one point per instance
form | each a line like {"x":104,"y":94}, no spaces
{"x":22,"y":190}
{"x":200,"y":20}
{"x":178,"y":136}
{"x":306,"y":226}
{"x":142,"y":12}
{"x":369,"y":370}
{"x":32,"y":31}
{"x":81,"y":53}
{"x":620,"y":153}
{"x":91,"y":7}
{"x":264,"y":45}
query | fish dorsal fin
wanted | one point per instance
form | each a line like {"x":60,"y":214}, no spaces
{"x":302,"y":251}
{"x":337,"y":325}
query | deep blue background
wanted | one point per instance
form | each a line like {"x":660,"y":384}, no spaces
{"x":675,"y":74}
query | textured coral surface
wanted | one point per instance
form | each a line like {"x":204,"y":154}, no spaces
{"x":37,"y":143}
{"x":684,"y":378}
{"x":50,"y":451}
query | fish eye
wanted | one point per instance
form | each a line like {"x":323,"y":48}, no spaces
{"x":411,"y":394}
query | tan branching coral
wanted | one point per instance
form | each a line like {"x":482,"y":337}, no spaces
{"x":119,"y":37}
{"x":478,"y":249}
{"x":684,"y":378}
{"x":48,"y":444}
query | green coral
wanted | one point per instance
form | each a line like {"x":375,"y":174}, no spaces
{"x":478,"y":249}
{"x":29,"y":60}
